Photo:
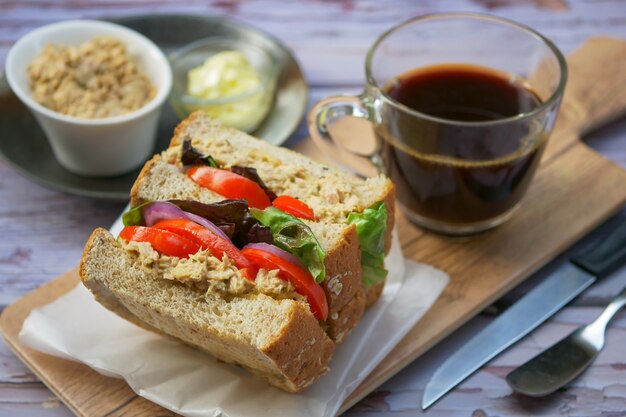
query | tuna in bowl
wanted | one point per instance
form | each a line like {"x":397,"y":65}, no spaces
{"x":90,"y":136}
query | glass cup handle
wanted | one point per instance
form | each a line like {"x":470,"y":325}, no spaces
{"x":324,"y":114}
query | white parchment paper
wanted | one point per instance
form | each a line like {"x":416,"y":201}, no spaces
{"x":192,"y":383}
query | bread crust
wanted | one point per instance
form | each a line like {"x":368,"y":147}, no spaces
{"x":343,"y":286}
{"x":390,"y":203}
{"x":177,"y":137}
{"x":302,"y":351}
{"x":135,"y":199}
{"x":297,"y":354}
{"x":372,"y":294}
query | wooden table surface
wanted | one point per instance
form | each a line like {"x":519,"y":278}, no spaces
{"x":42,"y":232}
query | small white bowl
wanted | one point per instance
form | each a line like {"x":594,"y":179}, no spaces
{"x":94,"y":147}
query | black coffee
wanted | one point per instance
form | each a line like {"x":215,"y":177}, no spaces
{"x":460,"y":172}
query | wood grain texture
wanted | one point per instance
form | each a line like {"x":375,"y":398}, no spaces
{"x":82,"y":389}
{"x":485,"y":267}
{"x":551,"y":218}
{"x":601,"y":98}
{"x":43,"y":231}
{"x":599,"y":392}
{"x":481,"y":268}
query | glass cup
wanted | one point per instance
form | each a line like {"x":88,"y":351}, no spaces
{"x":453,"y":175}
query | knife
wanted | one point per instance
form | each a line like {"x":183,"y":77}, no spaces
{"x":563,"y":285}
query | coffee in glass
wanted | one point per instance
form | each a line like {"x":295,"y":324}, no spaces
{"x":462,"y":106}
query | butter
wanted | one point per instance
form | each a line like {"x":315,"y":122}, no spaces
{"x":230,"y":74}
{"x":224,"y":74}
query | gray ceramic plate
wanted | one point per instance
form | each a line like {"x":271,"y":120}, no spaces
{"x":24,"y":146}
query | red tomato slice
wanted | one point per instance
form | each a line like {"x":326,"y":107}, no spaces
{"x":294,"y":207}
{"x":162,"y":241}
{"x":206,"y":239}
{"x":230,"y":185}
{"x":300,"y":278}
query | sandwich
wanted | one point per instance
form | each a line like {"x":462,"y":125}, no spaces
{"x":253,"y":253}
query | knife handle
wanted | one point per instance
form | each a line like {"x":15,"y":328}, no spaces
{"x":605,"y":256}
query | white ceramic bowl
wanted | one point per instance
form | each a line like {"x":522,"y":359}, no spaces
{"x":94,"y":147}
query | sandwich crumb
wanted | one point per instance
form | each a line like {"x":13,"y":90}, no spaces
{"x":335,"y":285}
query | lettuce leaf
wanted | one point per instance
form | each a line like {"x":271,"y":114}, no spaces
{"x":253,"y":175}
{"x":192,"y":156}
{"x":371,"y":227}
{"x":294,"y":236}
{"x":134,"y":216}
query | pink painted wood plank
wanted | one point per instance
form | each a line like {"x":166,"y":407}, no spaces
{"x":42,"y":231}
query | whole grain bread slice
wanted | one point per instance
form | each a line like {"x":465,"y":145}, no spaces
{"x":343,"y":286}
{"x":277,"y":340}
{"x":332,"y":193}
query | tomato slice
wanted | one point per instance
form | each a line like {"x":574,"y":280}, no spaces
{"x":293,"y":206}
{"x":206,"y":239}
{"x":300,"y":278}
{"x":230,"y":185}
{"x":162,"y":241}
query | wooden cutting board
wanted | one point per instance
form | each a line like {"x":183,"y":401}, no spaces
{"x":574,"y":190}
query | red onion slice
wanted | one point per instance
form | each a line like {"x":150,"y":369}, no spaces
{"x":162,"y":210}
{"x":278,"y":252}
{"x":206,"y":223}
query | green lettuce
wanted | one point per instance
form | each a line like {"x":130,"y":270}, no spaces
{"x":134,"y":216}
{"x":294,"y":236}
{"x":371,"y":228}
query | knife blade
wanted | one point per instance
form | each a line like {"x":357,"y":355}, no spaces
{"x":543,"y":301}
